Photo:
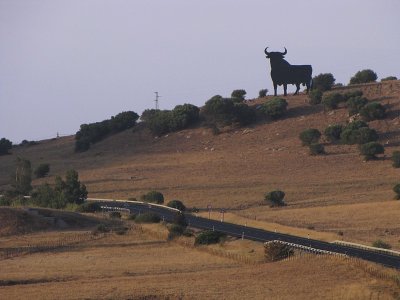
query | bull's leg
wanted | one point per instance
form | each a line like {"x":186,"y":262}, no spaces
{"x":284,"y":89}
{"x":297,"y":89}
{"x":308,"y":86}
{"x":275,"y":88}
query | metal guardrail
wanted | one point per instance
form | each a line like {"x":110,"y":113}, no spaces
{"x":134,"y":202}
{"x":306,"y":248}
{"x":369,"y":248}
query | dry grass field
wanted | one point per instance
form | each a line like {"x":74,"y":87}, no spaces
{"x":143,"y":265}
{"x":233,"y":170}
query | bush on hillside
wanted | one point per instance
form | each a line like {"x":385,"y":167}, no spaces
{"x":262,"y":93}
{"x":352,"y":94}
{"x":315,"y":96}
{"x":389,"y":78}
{"x":371,"y":149}
{"x":92,"y":133}
{"x":46,"y":196}
{"x":333,"y":132}
{"x":275,"y":198}
{"x":42,"y":170}
{"x":28,"y":143}
{"x":5,"y":145}
{"x":396,"y":189}
{"x":331,"y":100}
{"x":153,"y":197}
{"x":184,"y":116}
{"x":208,"y":237}
{"x":115,"y":215}
{"x":358,"y":136}
{"x":373,"y":111}
{"x":381,"y":244}
{"x":89,"y":207}
{"x":316,"y":149}
{"x":274,"y":108}
{"x":355,"y":104}
{"x":364,"y":76}
{"x":176,"y":204}
{"x":396,"y":159}
{"x":310,"y":136}
{"x":238,"y":95}
{"x":147,"y":217}
{"x":356,"y":125}
{"x":323,"y":82}
{"x":244,"y":114}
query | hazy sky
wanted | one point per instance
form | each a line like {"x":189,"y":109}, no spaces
{"x":64,"y":63}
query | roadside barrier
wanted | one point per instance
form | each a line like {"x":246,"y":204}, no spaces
{"x":369,"y":248}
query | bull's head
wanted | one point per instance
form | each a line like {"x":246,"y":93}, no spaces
{"x":275,"y":54}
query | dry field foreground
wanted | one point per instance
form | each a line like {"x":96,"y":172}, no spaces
{"x":139,"y":265}
{"x":233,"y":170}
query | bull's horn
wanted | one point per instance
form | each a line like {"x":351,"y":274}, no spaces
{"x":284,"y":53}
{"x":266,"y":52}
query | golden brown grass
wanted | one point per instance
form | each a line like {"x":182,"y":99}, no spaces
{"x":236,"y":168}
{"x":139,"y":265}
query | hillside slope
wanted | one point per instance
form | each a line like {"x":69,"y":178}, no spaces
{"x":234,"y":169}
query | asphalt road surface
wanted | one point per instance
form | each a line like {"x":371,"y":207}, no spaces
{"x":260,"y":235}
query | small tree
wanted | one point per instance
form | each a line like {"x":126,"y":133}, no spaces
{"x":381,"y":244}
{"x":147,"y":217}
{"x":396,"y":159}
{"x":364,"y":76}
{"x":238,"y":95}
{"x":323,"y":82}
{"x":5,"y":145}
{"x":153,"y":197}
{"x":274,"y":108}
{"x":355,"y":104}
{"x":371,"y":149}
{"x":373,"y":111}
{"x":362,"y":135}
{"x":351,"y":94}
{"x":208,"y":237}
{"x":315,"y":96}
{"x":262,"y":93}
{"x":42,"y":170}
{"x":275,"y":198}
{"x":310,"y":136}
{"x":275,"y":251}
{"x":333,"y":132}
{"x":23,"y":176}
{"x":396,"y":189}
{"x":176,"y":204}
{"x":389,"y":78}
{"x":317,"y":149}
{"x":331,"y":100}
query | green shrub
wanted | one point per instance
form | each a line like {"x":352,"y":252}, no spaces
{"x":5,"y":201}
{"x":331,"y":100}
{"x":381,"y":244}
{"x":315,"y":96}
{"x":238,"y":95}
{"x":274,"y":108}
{"x":147,"y":217}
{"x":396,"y":159}
{"x":175,"y":230}
{"x":42,"y":170}
{"x":176,"y":204}
{"x":102,"y":228}
{"x":323,"y":82}
{"x":355,"y":104}
{"x":89,"y":207}
{"x":244,"y":114}
{"x":310,"y":136}
{"x":28,"y":143}
{"x":333,"y":132}
{"x":208,"y":237}
{"x":5,"y":145}
{"x":95,"y":132}
{"x":373,"y":111}
{"x":389,"y":78}
{"x":46,"y":196}
{"x":352,"y":94}
{"x":364,"y":76}
{"x":153,"y":197}
{"x":184,"y":116}
{"x":317,"y":149}
{"x":356,"y":125}
{"x":371,"y":149}
{"x":362,"y":135}
{"x":262,"y":93}
{"x":396,"y":189}
{"x":275,"y":198}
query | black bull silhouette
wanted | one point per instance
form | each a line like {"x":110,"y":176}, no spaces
{"x":284,"y":73}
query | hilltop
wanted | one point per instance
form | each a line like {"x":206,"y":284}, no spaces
{"x":233,"y":170}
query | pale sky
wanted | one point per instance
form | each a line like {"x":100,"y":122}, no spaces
{"x":68,"y":62}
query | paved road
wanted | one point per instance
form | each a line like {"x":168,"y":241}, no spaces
{"x":261,"y":235}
